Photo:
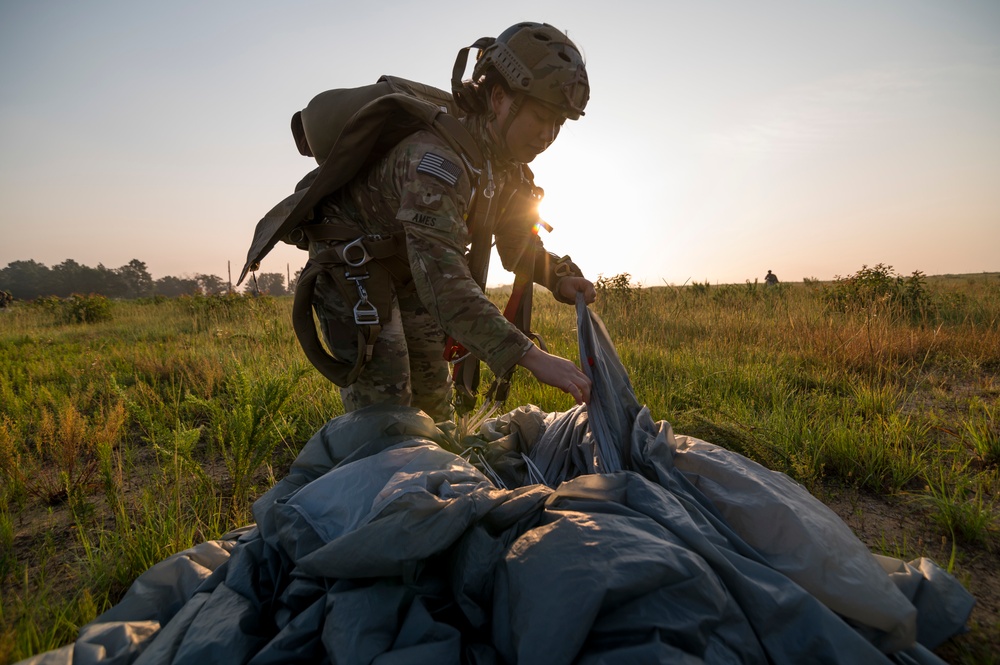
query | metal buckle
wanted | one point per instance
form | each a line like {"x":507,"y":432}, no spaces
{"x":356,"y":244}
{"x":365,"y":314}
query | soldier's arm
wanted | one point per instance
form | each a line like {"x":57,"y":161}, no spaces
{"x":434,"y":194}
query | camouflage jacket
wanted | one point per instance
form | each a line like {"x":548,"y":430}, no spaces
{"x":423,"y":189}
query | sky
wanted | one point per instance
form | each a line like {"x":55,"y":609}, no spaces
{"x":723,"y":138}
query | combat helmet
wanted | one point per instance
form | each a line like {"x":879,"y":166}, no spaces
{"x":534,"y":59}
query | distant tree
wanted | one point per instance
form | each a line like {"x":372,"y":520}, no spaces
{"x":295,"y":280}
{"x":70,"y":277}
{"x":171,"y":286}
{"x":212,"y":285}
{"x":105,"y":281}
{"x":26,"y":280}
{"x":136,"y":282}
{"x":271,"y":283}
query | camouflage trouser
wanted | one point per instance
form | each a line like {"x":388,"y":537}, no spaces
{"x":407,"y":365}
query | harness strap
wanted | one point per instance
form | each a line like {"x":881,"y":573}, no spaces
{"x":358,"y":271}
{"x":388,"y":250}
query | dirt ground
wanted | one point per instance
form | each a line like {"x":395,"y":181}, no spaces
{"x":890,"y":526}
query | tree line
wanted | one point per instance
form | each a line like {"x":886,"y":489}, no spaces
{"x":27,"y":280}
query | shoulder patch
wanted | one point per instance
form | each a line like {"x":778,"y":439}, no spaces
{"x":439,"y":167}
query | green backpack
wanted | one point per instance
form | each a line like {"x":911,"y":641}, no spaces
{"x":346,"y":130}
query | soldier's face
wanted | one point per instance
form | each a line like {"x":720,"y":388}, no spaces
{"x":532,"y":130}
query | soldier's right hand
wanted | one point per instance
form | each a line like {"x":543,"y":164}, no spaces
{"x":558,"y":373}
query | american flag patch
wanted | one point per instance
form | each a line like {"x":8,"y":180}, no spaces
{"x":439,"y":167}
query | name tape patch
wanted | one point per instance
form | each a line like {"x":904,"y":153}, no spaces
{"x":439,"y":167}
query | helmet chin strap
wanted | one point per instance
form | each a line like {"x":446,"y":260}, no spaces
{"x":501,"y":138}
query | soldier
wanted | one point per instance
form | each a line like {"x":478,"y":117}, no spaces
{"x":770,"y":279}
{"x":524,"y":85}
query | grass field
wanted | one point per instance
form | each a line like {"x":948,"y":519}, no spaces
{"x":132,"y":430}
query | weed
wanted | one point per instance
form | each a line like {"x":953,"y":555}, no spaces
{"x":982,"y":431}
{"x":7,"y":558}
{"x":42,"y":620}
{"x":247,"y":425}
{"x":14,"y":491}
{"x":958,"y":507}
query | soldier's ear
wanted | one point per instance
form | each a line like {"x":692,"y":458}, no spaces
{"x":497,"y":95}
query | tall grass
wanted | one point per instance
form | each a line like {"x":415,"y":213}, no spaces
{"x":126,"y":438}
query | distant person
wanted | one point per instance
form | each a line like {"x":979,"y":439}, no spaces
{"x":770,"y":279}
{"x":5,"y":299}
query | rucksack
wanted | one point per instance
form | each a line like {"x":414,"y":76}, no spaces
{"x":346,"y":130}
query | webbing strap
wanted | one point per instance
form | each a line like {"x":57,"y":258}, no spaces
{"x":463,"y":95}
{"x":388,"y":250}
{"x":377,"y":282}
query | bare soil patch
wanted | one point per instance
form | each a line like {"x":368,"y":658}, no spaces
{"x":890,"y":526}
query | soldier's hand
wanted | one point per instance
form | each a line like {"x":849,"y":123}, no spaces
{"x":570,"y":286}
{"x":558,"y":373}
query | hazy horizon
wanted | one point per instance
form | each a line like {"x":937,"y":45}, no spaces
{"x":722,"y":139}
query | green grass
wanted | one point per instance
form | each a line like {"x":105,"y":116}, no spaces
{"x":130,"y":437}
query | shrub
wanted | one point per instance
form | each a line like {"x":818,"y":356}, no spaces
{"x":701,"y":289}
{"x":619,"y":287}
{"x":879,"y":285}
{"x":86,"y":309}
{"x":77,"y":308}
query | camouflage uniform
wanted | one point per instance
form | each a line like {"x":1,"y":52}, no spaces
{"x":421,"y":188}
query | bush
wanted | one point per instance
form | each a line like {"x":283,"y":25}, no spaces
{"x":619,"y":287}
{"x":879,"y":285}
{"x":701,"y":288}
{"x":77,"y":308}
{"x":86,"y":309}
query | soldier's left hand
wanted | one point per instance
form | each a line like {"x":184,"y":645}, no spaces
{"x":570,"y":286}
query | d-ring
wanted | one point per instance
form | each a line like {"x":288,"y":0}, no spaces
{"x":356,"y":245}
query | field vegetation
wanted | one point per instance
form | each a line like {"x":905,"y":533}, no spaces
{"x":130,"y":430}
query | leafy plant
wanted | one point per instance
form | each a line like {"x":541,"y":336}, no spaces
{"x":247,"y":425}
{"x":879,"y":285}
{"x":618,"y":288}
{"x":86,"y":309}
